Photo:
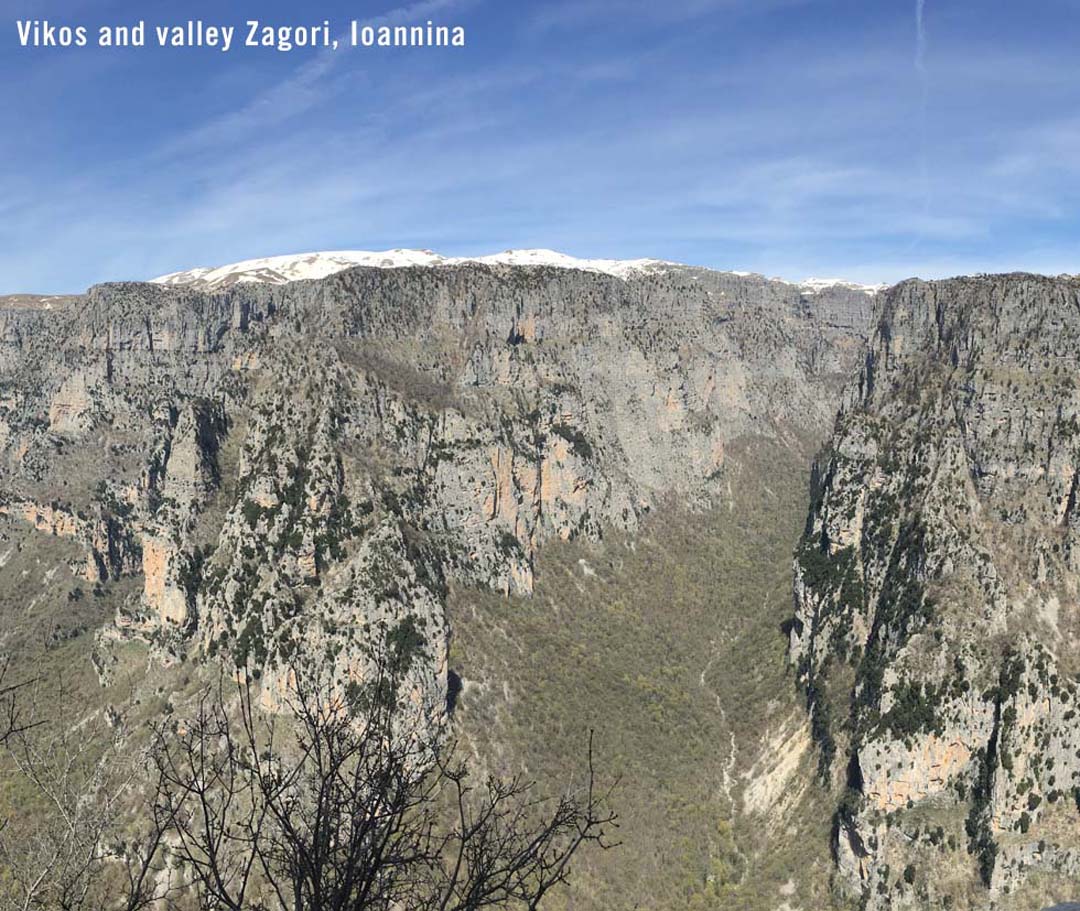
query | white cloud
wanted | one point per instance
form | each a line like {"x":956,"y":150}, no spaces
{"x":307,"y":87}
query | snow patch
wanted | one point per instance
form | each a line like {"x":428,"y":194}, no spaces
{"x":277,"y":270}
{"x":815,"y":285}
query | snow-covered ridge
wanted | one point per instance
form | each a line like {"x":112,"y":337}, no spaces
{"x":278,"y":270}
{"x":814,"y":285}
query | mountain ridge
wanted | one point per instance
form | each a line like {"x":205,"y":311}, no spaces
{"x":321,"y":264}
{"x":276,"y":473}
{"x":472,"y":456}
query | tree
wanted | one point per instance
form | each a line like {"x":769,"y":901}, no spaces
{"x":349,"y":802}
{"x":333,"y":802}
{"x":12,"y":721}
{"x":85,"y":837}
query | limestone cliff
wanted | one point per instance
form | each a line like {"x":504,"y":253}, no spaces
{"x":297,"y":473}
{"x":936,"y":591}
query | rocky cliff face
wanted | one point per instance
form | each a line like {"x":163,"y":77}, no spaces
{"x":936,"y":597}
{"x":295,"y":475}
{"x":301,"y":475}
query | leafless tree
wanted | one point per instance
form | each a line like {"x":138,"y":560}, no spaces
{"x":12,"y":721}
{"x":343,"y":803}
{"x":333,"y":802}
{"x":509,"y":847}
{"x":85,"y":834}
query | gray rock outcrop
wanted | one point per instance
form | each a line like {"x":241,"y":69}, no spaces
{"x":936,"y":594}
{"x":298,"y":472}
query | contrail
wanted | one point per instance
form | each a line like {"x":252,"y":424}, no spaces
{"x":920,"y":58}
{"x":920,"y":38}
{"x":924,"y":85}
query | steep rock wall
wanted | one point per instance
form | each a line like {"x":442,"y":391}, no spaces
{"x":936,"y":592}
{"x":299,"y":472}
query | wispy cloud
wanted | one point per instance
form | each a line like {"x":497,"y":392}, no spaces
{"x":712,"y":136}
{"x":309,"y":86}
{"x":569,"y":14}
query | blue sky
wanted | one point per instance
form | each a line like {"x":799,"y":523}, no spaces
{"x":790,"y":137}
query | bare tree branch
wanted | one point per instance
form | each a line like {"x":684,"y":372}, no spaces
{"x":355,"y":803}
{"x":81,"y":793}
{"x":338,"y":801}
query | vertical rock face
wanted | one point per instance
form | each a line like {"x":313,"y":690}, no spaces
{"x":936,"y":595}
{"x":299,"y":472}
